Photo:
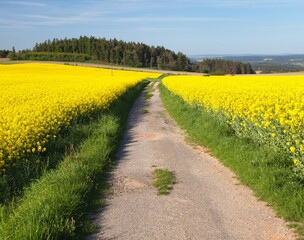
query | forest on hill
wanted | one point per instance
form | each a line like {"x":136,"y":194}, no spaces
{"x":118,"y":52}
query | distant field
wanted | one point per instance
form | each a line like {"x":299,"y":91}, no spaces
{"x":260,"y":59}
{"x":108,"y":66}
{"x":264,"y":63}
{"x":299,"y":73}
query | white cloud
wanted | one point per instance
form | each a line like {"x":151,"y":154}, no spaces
{"x":167,"y":19}
{"x":31,"y":20}
{"x":126,"y":11}
{"x":161,"y":29}
{"x":250,"y":3}
{"x":6,"y":24}
{"x":26,"y":3}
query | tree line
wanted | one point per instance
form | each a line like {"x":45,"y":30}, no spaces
{"x":4,"y":53}
{"x":50,"y":56}
{"x":221,"y":66}
{"x":123,"y":53}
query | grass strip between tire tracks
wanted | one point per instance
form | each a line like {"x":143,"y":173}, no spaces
{"x":164,"y":180}
{"x":265,"y":171}
{"x":54,"y":206}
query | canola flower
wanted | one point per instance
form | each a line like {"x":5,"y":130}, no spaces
{"x":38,"y":100}
{"x":268,"y":109}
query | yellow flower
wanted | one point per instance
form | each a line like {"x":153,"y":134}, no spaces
{"x":271,"y":106}
{"x":296,"y":162}
{"x":2,"y":163}
{"x":292,"y":149}
{"x":38,"y":100}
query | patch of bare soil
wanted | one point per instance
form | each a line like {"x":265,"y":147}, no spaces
{"x":284,"y":74}
{"x":4,"y":59}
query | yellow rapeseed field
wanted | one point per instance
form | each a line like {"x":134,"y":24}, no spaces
{"x":268,"y":109}
{"x":37,"y":100}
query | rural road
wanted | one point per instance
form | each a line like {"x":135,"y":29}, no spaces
{"x":207,"y":201}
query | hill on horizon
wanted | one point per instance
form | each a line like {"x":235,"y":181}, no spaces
{"x":266,"y":63}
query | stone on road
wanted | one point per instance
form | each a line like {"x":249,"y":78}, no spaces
{"x":207,"y":201}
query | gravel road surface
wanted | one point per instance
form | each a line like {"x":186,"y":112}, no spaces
{"x":207,"y":201}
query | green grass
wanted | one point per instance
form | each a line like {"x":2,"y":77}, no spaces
{"x":267,"y":172}
{"x":154,"y":80}
{"x":149,"y":89}
{"x":67,"y":144}
{"x":145,"y":111}
{"x":55,"y":205}
{"x":12,"y":184}
{"x":164,"y":180}
{"x":148,"y":94}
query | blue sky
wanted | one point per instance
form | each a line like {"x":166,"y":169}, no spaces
{"x":190,"y":26}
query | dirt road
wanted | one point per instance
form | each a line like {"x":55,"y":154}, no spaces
{"x":207,"y":202}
